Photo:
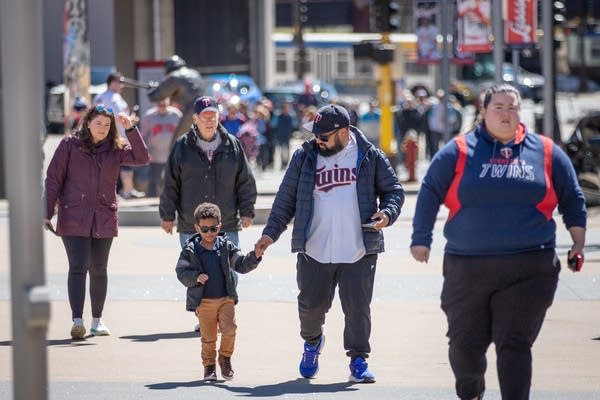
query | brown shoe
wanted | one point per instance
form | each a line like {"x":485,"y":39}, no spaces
{"x":210,"y":373}
{"x":226,"y":370}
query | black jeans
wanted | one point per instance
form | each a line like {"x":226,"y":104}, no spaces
{"x":317,"y":283}
{"x":155,"y":179}
{"x":501,"y":299}
{"x":87,"y":254}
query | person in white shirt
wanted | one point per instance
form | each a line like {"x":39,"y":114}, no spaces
{"x":341,"y":191}
{"x":111,"y":99}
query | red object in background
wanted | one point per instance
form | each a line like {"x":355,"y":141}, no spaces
{"x":521,"y":22}
{"x":411,"y":151}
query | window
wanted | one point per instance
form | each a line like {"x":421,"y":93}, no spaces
{"x":343,"y":62}
{"x":281,"y":64}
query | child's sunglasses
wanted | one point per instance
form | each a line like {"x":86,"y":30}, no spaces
{"x":206,"y":229}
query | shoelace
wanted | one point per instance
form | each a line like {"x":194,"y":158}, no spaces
{"x":358,"y":367}
{"x":311,"y":353}
{"x":227,"y":363}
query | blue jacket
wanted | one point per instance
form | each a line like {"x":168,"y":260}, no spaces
{"x":501,"y":197}
{"x":376,"y":182}
{"x":232,"y":259}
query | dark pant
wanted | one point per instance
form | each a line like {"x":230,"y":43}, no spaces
{"x":155,"y":179}
{"x":501,"y":299}
{"x":317,"y":283}
{"x":87,"y":254}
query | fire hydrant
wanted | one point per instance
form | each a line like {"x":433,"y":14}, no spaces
{"x":410,"y":147}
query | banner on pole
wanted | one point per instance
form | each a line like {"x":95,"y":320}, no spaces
{"x":427,"y":20}
{"x":474,"y":26}
{"x":521,"y":22}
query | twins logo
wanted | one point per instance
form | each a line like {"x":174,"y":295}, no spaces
{"x":206,"y":102}
{"x":506,"y":152}
{"x":317,"y":118}
{"x":327,"y":179}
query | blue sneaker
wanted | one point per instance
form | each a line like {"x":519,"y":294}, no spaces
{"x":309,"y":365}
{"x":359,"y":371}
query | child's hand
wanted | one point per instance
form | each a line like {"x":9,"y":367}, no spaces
{"x":202,"y":278}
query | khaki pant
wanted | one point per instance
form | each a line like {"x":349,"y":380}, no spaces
{"x":212,"y":314}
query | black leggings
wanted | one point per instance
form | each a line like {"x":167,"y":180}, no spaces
{"x":87,"y":254}
{"x":501,"y":299}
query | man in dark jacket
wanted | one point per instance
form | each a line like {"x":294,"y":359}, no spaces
{"x":207,"y":164}
{"x":182,"y":85}
{"x":341,"y":191}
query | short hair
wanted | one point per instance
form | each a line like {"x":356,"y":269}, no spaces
{"x":206,"y":211}
{"x":499,"y":88}
{"x":114,"y":76}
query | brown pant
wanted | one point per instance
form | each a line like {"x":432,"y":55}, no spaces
{"x":212,"y":314}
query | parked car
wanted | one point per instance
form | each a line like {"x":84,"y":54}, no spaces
{"x":291,"y":91}
{"x":55,"y":112}
{"x":233,"y":88}
{"x":583,"y":148}
{"x":530,"y":85}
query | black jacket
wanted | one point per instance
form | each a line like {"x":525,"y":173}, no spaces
{"x":232,"y":259}
{"x":190,"y":179}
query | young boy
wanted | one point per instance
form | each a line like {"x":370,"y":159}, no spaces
{"x":206,"y":267}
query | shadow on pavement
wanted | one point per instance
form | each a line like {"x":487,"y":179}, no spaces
{"x":59,"y":342}
{"x":298,"y":386}
{"x":155,"y":337}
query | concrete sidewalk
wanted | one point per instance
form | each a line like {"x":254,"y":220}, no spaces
{"x":152,"y":353}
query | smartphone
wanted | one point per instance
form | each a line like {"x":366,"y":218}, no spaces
{"x":370,"y":225}
{"x":575,"y":263}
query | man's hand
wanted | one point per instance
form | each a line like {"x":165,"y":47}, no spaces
{"x":420,"y":253}
{"x":382,"y":220}
{"x":167,"y":226}
{"x":246,"y":222}
{"x":261,"y":245}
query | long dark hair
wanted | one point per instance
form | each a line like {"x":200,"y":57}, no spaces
{"x":86,"y":136}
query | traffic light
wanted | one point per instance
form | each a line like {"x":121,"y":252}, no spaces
{"x":386,"y":15}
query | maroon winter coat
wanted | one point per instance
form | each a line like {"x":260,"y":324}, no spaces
{"x":84,"y":185}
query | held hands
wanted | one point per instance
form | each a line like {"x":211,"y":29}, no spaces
{"x":261,"y":245}
{"x":202,"y":278}
{"x":420,"y":253}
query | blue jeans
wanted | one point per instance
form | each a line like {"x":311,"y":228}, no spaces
{"x":233,"y":236}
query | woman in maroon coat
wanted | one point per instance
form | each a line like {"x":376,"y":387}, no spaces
{"x":81,"y":187}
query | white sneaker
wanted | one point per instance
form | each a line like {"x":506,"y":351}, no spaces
{"x":98,"y":328}
{"x":78,"y":329}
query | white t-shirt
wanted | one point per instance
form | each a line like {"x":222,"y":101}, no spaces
{"x":335,"y":234}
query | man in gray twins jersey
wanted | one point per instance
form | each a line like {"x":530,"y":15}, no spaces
{"x":341,"y":191}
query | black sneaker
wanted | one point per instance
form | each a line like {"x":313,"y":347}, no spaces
{"x":226,"y":370}
{"x":210,"y":373}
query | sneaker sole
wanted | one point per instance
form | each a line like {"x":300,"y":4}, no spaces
{"x":99,"y":333}
{"x":210,"y":379}
{"x":353,"y":379}
{"x":227,"y":378}
{"x":78,"y":332}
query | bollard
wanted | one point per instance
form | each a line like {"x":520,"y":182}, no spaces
{"x":411,"y":151}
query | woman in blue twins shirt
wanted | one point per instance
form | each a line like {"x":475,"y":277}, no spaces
{"x":501,"y":185}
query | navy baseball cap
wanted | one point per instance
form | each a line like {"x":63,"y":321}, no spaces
{"x":327,"y":119}
{"x":205,"y":103}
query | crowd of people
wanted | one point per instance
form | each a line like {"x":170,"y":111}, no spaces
{"x":340,"y":191}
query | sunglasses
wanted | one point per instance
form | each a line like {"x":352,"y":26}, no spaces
{"x":206,"y":229}
{"x":102,"y":108}
{"x":325,"y":138}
